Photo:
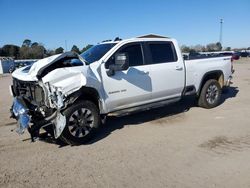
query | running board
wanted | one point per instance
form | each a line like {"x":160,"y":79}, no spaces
{"x":144,"y":107}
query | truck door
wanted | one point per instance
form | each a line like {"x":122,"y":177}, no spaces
{"x":131,"y":87}
{"x":167,"y":72}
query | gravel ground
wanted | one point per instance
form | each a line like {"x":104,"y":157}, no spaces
{"x":176,"y":146}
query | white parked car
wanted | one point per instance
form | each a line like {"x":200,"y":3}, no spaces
{"x":70,"y":93}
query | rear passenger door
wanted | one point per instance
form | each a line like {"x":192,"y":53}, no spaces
{"x":167,"y":72}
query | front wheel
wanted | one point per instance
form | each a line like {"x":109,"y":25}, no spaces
{"x":210,"y":95}
{"x":82,"y":121}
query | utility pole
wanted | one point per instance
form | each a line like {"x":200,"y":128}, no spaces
{"x":221,"y":24}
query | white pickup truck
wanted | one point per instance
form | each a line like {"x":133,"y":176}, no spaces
{"x":69,"y":94}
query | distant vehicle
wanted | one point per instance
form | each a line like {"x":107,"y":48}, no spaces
{"x":236,"y":56}
{"x":111,"y":78}
{"x":244,"y":54}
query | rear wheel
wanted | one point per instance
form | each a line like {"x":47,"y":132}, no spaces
{"x":82,"y":120}
{"x":210,"y":94}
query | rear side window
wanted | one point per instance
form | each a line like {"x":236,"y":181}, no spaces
{"x":162,"y":52}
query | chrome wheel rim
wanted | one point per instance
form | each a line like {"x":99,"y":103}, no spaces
{"x":212,"y":94}
{"x":81,"y":122}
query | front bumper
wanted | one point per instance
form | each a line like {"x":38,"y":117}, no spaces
{"x":21,"y":114}
{"x":24,"y":119}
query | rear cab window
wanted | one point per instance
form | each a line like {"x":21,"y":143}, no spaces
{"x":161,"y":52}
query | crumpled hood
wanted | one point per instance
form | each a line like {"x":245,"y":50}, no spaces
{"x":34,"y":72}
{"x":30,"y":74}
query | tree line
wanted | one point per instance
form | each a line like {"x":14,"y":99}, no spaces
{"x":212,"y":47}
{"x":34,"y":50}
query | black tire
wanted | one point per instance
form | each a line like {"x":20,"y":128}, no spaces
{"x":82,"y":121}
{"x":210,"y":95}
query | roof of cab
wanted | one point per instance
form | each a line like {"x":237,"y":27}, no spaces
{"x":138,"y":38}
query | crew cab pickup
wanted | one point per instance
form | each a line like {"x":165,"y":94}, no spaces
{"x":69,"y":95}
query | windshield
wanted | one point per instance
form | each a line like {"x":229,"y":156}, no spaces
{"x":96,"y":52}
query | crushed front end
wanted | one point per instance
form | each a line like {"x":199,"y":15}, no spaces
{"x":30,"y":109}
{"x":42,"y":91}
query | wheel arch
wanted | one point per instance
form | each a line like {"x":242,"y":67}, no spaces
{"x":215,"y":74}
{"x":87,"y":93}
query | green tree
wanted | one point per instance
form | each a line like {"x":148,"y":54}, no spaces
{"x":59,"y":50}
{"x":10,"y":50}
{"x":34,"y":44}
{"x":192,"y":52}
{"x":26,"y":43}
{"x":185,"y":49}
{"x":219,"y":46}
{"x":86,"y":48}
{"x":36,"y":51}
{"x":198,"y":48}
{"x":75,"y":49}
{"x":228,"y":48}
{"x":212,"y":47}
{"x":24,"y":52}
{"x":50,"y":52}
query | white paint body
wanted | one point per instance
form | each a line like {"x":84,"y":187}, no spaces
{"x":137,"y":85}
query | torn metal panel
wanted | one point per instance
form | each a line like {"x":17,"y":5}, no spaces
{"x":60,"y":123}
{"x":67,"y":80}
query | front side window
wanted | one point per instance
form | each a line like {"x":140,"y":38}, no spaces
{"x":134,"y":53}
{"x":162,"y":52}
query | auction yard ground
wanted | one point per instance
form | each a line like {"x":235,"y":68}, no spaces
{"x":176,"y":146}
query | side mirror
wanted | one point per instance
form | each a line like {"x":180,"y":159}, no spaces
{"x":121,"y":63}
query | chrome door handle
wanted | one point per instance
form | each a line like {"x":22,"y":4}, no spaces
{"x":178,"y":68}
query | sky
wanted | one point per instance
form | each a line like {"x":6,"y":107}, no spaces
{"x":64,"y":23}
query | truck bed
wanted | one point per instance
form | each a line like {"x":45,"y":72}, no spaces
{"x":196,"y":69}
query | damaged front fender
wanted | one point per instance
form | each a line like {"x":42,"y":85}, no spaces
{"x":59,"y":84}
{"x":60,"y":123}
{"x":67,"y":80}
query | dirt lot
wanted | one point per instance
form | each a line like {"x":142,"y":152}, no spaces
{"x":176,"y":146}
